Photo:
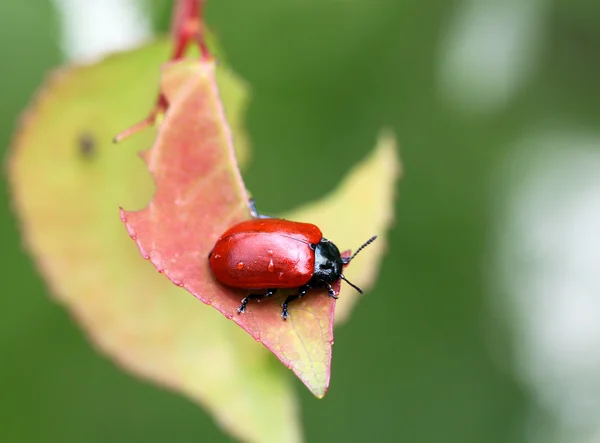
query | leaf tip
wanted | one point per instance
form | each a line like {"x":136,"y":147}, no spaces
{"x":122,"y":214}
{"x":319,"y":391}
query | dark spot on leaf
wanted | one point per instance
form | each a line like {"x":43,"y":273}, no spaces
{"x":87,"y":146}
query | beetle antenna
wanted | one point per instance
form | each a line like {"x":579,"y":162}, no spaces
{"x":367,"y":243}
{"x":360,"y":291}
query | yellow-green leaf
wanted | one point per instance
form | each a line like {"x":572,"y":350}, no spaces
{"x":68,"y":180}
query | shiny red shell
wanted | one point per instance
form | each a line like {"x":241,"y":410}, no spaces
{"x":266,"y":253}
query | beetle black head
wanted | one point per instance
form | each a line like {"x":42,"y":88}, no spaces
{"x":329,"y":263}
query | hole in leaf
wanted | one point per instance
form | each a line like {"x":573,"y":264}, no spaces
{"x":87,"y":146}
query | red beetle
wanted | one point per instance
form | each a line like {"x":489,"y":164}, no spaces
{"x":270,"y":254}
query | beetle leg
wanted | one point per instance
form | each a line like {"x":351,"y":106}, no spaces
{"x":245,"y":300}
{"x":302,"y":292}
{"x":331,"y":291}
{"x":253,"y":211}
{"x":252,"y":206}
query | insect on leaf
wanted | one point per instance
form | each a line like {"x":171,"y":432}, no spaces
{"x":199,"y":195}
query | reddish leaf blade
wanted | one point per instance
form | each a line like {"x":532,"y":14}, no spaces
{"x":199,"y":194}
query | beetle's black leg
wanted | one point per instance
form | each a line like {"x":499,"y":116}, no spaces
{"x":245,"y":300}
{"x":253,"y":212}
{"x":302,"y":292}
{"x":331,"y":291}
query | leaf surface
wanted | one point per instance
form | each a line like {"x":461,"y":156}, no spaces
{"x":68,"y":180}
{"x":199,"y":195}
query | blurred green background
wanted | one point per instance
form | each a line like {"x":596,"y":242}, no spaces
{"x":484,"y":325}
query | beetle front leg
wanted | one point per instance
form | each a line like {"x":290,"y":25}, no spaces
{"x":302,"y":292}
{"x":245,"y":300}
{"x":253,"y":212}
{"x":331,"y":291}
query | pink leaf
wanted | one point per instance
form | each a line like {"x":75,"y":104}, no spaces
{"x":200,"y":194}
